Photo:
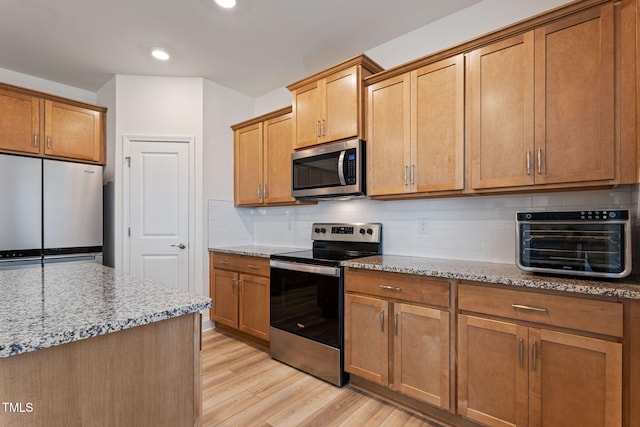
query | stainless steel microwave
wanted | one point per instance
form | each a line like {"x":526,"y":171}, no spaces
{"x":594,"y":243}
{"x":335,"y":170}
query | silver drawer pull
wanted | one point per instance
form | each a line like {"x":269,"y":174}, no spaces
{"x":392,"y":288}
{"x":223,"y":262}
{"x":527,"y":307}
{"x":253,"y":267}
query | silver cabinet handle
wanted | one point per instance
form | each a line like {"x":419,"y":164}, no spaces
{"x":240,"y":287}
{"x":534,"y":356}
{"x":539,"y":161}
{"x":233,"y":286}
{"x":529,"y":308}
{"x":181,"y":246}
{"x":48,"y":142}
{"x":253,"y":267}
{"x":391,"y":288}
{"x":406,"y":172}
{"x":322,"y":129}
{"x":382,"y":321}
{"x":318,"y":128}
{"x":224,"y":262}
{"x":395,"y":323}
{"x":264,"y":190}
{"x":413,"y":174}
{"x":35,"y":139}
{"x":528,"y":162}
{"x":259,"y":191}
{"x":521,"y":353}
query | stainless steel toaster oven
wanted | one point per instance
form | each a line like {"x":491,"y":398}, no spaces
{"x":594,"y":243}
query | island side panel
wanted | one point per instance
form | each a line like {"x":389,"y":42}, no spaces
{"x":145,"y":375}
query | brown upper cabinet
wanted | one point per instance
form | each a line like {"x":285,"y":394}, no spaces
{"x":19,"y":122}
{"x":416,"y":130}
{"x":328,"y":106}
{"x":72,"y":132}
{"x":542,"y":106}
{"x":262,"y":153}
{"x":37,"y":124}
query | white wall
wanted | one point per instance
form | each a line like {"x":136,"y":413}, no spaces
{"x":46,"y":86}
{"x":223,"y":107}
{"x":478,"y":228}
{"x":272,"y":101}
{"x":163,"y":107}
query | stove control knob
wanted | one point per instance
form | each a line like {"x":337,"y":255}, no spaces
{"x":369,"y":231}
{"x":316,"y":230}
{"x":323,"y":230}
{"x":362,"y":231}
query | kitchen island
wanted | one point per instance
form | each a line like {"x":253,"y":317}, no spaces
{"x":84,"y":344}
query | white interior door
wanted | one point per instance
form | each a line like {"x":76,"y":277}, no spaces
{"x":159,"y":203}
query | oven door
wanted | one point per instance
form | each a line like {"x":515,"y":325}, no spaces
{"x":307,"y":300}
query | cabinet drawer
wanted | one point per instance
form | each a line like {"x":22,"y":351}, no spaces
{"x":600,"y":317}
{"x":397,"y":286}
{"x":241,"y":263}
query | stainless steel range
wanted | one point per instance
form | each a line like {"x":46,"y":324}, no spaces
{"x":307,"y":298}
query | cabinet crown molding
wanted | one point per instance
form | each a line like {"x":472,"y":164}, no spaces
{"x":262,"y":118}
{"x":363,"y":60}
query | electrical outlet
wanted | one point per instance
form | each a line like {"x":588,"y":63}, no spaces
{"x":423,"y":226}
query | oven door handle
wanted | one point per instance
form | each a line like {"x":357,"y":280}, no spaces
{"x":306,"y":268}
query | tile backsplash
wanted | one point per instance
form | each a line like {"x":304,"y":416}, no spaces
{"x":478,"y":228}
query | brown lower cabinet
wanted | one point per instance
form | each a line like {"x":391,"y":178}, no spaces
{"x":392,"y":338}
{"x":239,"y":288}
{"x":514,"y":374}
{"x":477,"y":354}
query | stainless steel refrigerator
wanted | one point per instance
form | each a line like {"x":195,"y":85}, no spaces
{"x":50,"y":211}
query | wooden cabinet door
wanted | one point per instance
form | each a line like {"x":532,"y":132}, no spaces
{"x":278,"y":146}
{"x":574,"y":380}
{"x":501,"y":91}
{"x":224,"y":294}
{"x":72,"y":132}
{"x":389,"y":137}
{"x":248,"y":165}
{"x":340,"y":118}
{"x":254,"y":306}
{"x":492,"y":371}
{"x":366,"y":338}
{"x":574,"y":98}
{"x":421,"y":353}
{"x":307,"y":111}
{"x":19,"y":122}
{"x":437,"y":126}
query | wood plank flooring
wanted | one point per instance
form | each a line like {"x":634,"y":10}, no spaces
{"x":243,"y":386}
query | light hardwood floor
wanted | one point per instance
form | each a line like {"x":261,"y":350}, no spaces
{"x":243,"y":386}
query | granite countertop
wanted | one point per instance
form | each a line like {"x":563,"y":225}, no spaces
{"x":56,"y":304}
{"x":505,"y":274}
{"x":255,"y":250}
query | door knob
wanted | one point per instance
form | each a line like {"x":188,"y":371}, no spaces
{"x":181,"y":246}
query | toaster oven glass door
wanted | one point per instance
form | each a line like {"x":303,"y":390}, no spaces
{"x":580,"y":248}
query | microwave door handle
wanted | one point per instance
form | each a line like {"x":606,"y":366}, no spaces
{"x":341,"y":167}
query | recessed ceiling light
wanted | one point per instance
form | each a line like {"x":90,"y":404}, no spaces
{"x":160,"y":54}
{"x":227,"y":4}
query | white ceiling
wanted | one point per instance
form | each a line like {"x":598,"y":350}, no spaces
{"x":258,"y":47}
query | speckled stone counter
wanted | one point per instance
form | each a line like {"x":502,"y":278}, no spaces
{"x":504,"y":274}
{"x":47,"y":306}
{"x":255,"y":250}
